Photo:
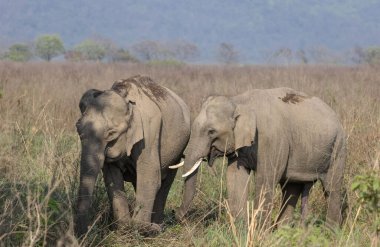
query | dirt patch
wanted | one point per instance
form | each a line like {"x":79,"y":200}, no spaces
{"x":293,"y":98}
{"x":145,"y":83}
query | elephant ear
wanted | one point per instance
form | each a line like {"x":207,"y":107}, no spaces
{"x":133,"y":93}
{"x":245,"y":127}
{"x":87,"y":98}
{"x":135,"y":131}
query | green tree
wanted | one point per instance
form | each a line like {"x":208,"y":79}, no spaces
{"x":49,"y":46}
{"x":372,"y":55}
{"x":91,"y":50}
{"x":18,"y":53}
{"x":122,"y":55}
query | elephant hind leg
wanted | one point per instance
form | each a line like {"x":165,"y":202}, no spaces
{"x":290,"y":195}
{"x":304,"y":201}
{"x":332,"y":185}
{"x":162,"y":195}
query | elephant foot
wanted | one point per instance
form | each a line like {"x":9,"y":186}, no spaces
{"x":148,"y":229}
{"x":179,"y":215}
{"x":121,"y":224}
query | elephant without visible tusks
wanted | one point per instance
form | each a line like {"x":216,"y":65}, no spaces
{"x":285,"y":136}
{"x":132,"y":132}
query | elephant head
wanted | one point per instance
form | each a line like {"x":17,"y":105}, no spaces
{"x":222,"y":127}
{"x":109,"y":127}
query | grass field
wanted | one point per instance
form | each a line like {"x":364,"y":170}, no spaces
{"x":40,"y":151}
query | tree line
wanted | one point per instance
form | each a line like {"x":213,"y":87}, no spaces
{"x":50,"y":46}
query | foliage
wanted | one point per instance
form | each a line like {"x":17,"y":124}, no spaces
{"x":122,"y":55}
{"x":19,"y":53}
{"x":369,"y":55}
{"x":367,"y":187}
{"x":91,"y":50}
{"x":49,"y":46}
{"x":372,"y":55}
{"x":314,"y":236}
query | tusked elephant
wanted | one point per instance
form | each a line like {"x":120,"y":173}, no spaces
{"x":131,"y":132}
{"x":285,"y":136}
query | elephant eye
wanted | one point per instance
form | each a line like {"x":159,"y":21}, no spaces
{"x":211,"y":132}
{"x":111,"y":135}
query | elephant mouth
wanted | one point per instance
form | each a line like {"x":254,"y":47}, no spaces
{"x":216,"y":153}
{"x":111,"y":156}
{"x":110,"y":160}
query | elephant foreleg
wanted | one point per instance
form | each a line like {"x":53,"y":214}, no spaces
{"x":162,"y":195}
{"x":237,"y":188}
{"x":114,"y":182}
{"x":263,"y":201}
{"x":147,"y":186}
{"x":270,"y":169}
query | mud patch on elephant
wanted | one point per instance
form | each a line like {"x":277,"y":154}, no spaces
{"x":293,"y":98}
{"x":121,"y":87}
{"x":145,"y":83}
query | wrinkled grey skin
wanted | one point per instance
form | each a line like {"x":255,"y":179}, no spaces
{"x":285,"y":136}
{"x":131,"y":132}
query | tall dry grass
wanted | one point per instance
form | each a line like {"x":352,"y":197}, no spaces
{"x":39,"y":153}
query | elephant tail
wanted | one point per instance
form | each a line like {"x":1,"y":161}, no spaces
{"x":334,"y":177}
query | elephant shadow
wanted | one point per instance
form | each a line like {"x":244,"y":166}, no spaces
{"x":207,"y":216}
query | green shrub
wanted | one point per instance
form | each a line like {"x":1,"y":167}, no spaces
{"x":18,"y":53}
{"x":91,"y":50}
{"x":367,"y":187}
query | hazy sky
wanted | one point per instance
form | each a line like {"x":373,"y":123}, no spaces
{"x":255,"y":28}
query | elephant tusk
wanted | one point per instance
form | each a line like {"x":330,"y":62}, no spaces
{"x":195,"y":167}
{"x":177,"y":166}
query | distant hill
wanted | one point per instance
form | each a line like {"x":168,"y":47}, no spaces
{"x":254,"y":27}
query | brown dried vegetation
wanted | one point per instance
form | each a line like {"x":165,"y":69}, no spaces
{"x":39,"y":148}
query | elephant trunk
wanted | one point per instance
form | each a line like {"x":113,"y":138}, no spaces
{"x":92,"y":160}
{"x":189,"y":188}
{"x":192,"y":156}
